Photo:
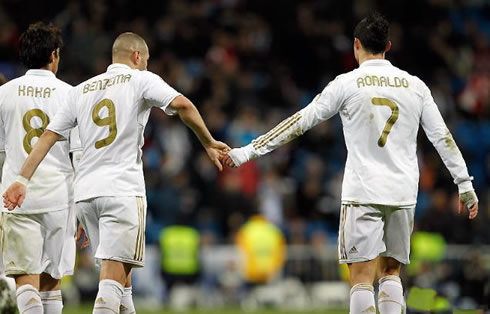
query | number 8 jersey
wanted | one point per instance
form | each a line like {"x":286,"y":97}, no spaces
{"x":111,"y":111}
{"x":27,"y":104}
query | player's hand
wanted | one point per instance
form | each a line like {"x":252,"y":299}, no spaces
{"x":81,"y":233}
{"x":14,"y":196}
{"x":228,"y":161}
{"x":468,"y":200}
{"x":216,"y":151}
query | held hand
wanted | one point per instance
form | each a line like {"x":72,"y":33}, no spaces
{"x":80,"y":233}
{"x":216,"y":151}
{"x":228,"y":161}
{"x":469,"y":201}
{"x":14,"y":196}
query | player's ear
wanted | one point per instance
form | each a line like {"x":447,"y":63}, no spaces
{"x":52,"y":56}
{"x":388,"y":46}
{"x":357,"y":43}
{"x":135,"y":58}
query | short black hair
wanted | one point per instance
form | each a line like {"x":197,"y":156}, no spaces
{"x":37,"y":43}
{"x":373,"y":31}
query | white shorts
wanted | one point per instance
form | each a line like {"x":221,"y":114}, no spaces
{"x":115,"y":227}
{"x":39,"y":243}
{"x":369,"y":231}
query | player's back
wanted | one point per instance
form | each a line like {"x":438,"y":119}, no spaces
{"x":381,"y":116}
{"x":27,"y":104}
{"x":112,"y":110}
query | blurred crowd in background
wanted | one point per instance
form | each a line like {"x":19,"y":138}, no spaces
{"x":249,"y":64}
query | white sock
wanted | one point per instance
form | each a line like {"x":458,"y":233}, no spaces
{"x":108,"y":298}
{"x":52,"y":301}
{"x":390,"y":296}
{"x":29,"y":300}
{"x":10,"y":281}
{"x":127,"y":306}
{"x":362,"y":299}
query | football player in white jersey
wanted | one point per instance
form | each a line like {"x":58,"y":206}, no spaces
{"x":111,"y":111}
{"x":381,"y":108}
{"x":38,"y":237}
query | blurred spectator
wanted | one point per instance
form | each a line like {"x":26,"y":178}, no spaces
{"x":180,"y":255}
{"x":263,"y":248}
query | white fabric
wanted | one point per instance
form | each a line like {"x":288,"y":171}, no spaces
{"x":369,"y":231}
{"x":38,"y":243}
{"x":115,"y":168}
{"x":115,"y":227}
{"x":390,"y":295}
{"x":374,"y":174}
{"x":108,"y":299}
{"x":52,"y":301}
{"x":29,"y":300}
{"x":362,"y":299}
{"x":22,"y":103}
{"x":127,"y":305}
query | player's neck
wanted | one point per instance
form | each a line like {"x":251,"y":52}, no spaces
{"x":49,"y":67}
{"x":367,"y":56}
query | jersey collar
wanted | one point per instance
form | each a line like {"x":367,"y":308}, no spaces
{"x":40,"y":72}
{"x":375,"y":62}
{"x":118,"y":66}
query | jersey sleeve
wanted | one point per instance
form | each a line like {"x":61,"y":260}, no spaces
{"x":439,"y":135}
{"x":157,"y":93}
{"x":75,"y":143}
{"x":65,"y":118}
{"x":323,"y":107}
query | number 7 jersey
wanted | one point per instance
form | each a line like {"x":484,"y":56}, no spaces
{"x":27,"y":104}
{"x":111,"y":111}
{"x":381,"y":108}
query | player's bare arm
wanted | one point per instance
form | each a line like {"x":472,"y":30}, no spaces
{"x":189,"y":114}
{"x":15,"y":194}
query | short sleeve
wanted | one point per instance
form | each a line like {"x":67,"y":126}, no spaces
{"x":65,"y":118}
{"x":75,"y":143}
{"x":157,"y":93}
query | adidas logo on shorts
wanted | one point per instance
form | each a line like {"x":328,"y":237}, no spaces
{"x":353,"y":250}
{"x":100,"y":301}
{"x":383,"y":294}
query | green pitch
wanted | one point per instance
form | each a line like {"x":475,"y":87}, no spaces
{"x":88,"y":309}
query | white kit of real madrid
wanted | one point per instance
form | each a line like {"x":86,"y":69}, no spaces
{"x":381,"y":108}
{"x":111,"y":111}
{"x":38,"y":236}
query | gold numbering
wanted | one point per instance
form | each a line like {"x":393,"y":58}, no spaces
{"x":109,"y":121}
{"x":33,"y":132}
{"x":391,"y":120}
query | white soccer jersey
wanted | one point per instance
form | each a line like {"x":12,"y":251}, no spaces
{"x":381,"y":108}
{"x":27,"y":104}
{"x":111,"y":111}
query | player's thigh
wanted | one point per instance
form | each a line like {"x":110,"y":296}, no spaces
{"x":23,"y":244}
{"x":398,"y":230}
{"x":122,"y":229}
{"x":360,"y":233}
{"x":59,"y":243}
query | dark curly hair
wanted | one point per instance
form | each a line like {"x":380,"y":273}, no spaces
{"x":373,"y":31}
{"x":37,"y":43}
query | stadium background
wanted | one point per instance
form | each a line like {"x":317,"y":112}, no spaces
{"x":247,"y":65}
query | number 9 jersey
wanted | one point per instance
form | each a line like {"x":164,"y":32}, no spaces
{"x":27,"y":104}
{"x":111,"y":111}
